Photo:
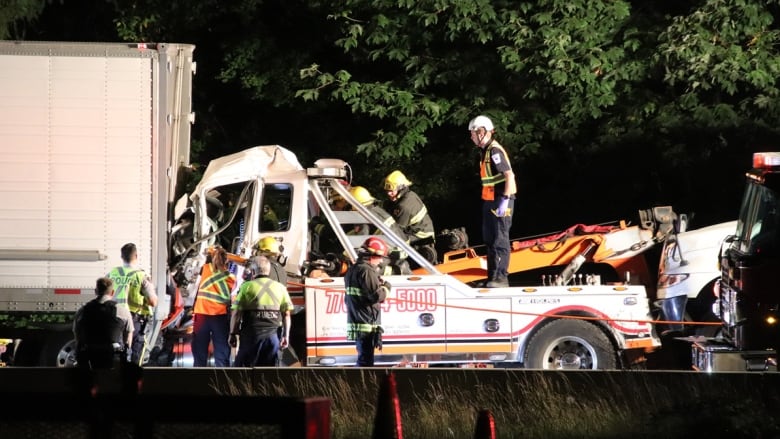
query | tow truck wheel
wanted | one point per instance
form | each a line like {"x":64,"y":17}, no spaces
{"x":570,"y":344}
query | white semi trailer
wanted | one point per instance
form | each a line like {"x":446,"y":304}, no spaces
{"x":92,"y":137}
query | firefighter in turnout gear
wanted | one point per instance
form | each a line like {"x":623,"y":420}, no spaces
{"x":102,"y":329}
{"x":396,"y":264}
{"x":134,"y":290}
{"x":260,"y":305}
{"x":272,"y":249}
{"x":410,"y":213}
{"x":365,"y":290}
{"x":211,"y":312}
{"x":498,"y":200}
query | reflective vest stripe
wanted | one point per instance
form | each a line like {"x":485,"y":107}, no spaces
{"x":266,"y":290}
{"x":216,"y":288}
{"x":486,"y":174}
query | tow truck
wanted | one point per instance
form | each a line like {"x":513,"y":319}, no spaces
{"x":430,"y":317}
{"x":748,"y":304}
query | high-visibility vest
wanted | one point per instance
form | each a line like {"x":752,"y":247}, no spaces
{"x":264,"y":294}
{"x":489,"y":180}
{"x":214,"y":291}
{"x":127,"y":281}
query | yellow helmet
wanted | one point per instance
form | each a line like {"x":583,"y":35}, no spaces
{"x":269,"y":244}
{"x":362,"y":195}
{"x":395,"y":180}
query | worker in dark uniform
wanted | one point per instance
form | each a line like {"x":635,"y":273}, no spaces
{"x":364,"y":291}
{"x":410,"y":213}
{"x":103,"y":330}
{"x":258,"y":308}
{"x":498,"y":200}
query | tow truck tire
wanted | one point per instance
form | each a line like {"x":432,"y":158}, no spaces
{"x":570,"y":344}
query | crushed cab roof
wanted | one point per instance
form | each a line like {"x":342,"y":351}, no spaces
{"x":256,"y":162}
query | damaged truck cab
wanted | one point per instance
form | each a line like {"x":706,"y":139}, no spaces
{"x":429,"y":317}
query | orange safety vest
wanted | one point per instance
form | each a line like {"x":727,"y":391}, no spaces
{"x":214,"y":291}
{"x":489,"y":180}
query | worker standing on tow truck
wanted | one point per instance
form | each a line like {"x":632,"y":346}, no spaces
{"x":498,"y":194}
{"x":364,"y":291}
{"x":134,"y":290}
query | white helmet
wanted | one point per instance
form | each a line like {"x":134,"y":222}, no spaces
{"x":481,"y":122}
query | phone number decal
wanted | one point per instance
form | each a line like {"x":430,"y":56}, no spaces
{"x":404,"y":300}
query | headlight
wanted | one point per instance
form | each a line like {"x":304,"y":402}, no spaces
{"x":670,"y":280}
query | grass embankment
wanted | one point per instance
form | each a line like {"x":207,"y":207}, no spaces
{"x":537,"y":404}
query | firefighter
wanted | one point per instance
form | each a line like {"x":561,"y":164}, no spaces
{"x":134,"y":289}
{"x":271,"y":248}
{"x":364,"y":291}
{"x":410,"y":213}
{"x":260,"y":305}
{"x":397,"y":258}
{"x":498,"y":199}
{"x":103,"y":330}
{"x":211,"y":311}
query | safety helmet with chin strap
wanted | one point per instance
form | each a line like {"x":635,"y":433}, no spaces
{"x":481,"y":122}
{"x":395,"y":180}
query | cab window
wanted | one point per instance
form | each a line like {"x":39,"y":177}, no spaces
{"x":277,"y":202}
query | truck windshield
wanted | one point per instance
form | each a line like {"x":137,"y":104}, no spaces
{"x":759,"y":221}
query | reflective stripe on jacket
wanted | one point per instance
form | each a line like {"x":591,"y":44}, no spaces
{"x":363,"y":292}
{"x":410,"y":213}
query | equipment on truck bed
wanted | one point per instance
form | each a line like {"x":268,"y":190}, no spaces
{"x":561,"y":254}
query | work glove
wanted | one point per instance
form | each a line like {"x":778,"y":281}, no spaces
{"x":378,"y":337}
{"x":503,"y":208}
{"x":233,"y":340}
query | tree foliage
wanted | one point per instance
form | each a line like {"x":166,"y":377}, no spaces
{"x":596,"y":100}
{"x":584,"y":73}
{"x":14,"y":14}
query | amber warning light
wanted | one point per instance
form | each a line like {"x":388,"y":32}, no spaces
{"x":766,"y":159}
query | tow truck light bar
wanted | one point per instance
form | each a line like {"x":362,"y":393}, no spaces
{"x":762,"y":160}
